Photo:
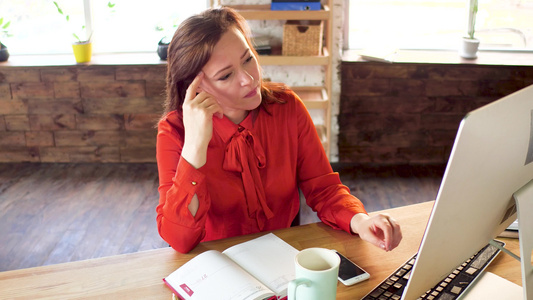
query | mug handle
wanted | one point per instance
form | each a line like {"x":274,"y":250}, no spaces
{"x":293,"y":285}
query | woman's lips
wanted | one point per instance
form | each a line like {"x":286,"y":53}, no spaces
{"x":251,"y":93}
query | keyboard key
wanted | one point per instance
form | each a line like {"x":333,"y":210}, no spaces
{"x":456,"y":290}
{"x":397,"y":286}
{"x":406,"y":276}
{"x":401,"y":272}
{"x":377,"y":292}
{"x":447,"y":296}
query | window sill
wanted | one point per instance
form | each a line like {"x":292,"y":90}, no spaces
{"x":403,"y":56}
{"x":452,"y":57}
{"x":97,"y":59}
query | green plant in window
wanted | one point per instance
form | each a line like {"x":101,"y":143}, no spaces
{"x":4,"y":28}
{"x":472,"y":14}
{"x":79,"y":40}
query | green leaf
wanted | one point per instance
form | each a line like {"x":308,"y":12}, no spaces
{"x":1,"y":21}
{"x":6,"y":25}
{"x":110,"y":5}
{"x":59,"y":10}
{"x":76,"y":36}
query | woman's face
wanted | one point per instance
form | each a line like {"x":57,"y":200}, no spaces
{"x":232,"y":76}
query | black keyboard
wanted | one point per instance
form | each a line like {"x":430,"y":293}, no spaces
{"x":449,"y":288}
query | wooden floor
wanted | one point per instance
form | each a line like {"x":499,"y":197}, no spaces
{"x":54,"y":213}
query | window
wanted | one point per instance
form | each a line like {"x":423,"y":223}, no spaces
{"x":129,"y":26}
{"x":438,"y":24}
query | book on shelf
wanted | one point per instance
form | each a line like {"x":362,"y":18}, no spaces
{"x":262,"y":44}
{"x":257,"y":269}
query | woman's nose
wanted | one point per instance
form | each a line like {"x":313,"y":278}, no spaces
{"x":246,"y":78}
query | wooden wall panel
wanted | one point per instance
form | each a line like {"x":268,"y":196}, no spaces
{"x":80,"y":113}
{"x":405,"y":113}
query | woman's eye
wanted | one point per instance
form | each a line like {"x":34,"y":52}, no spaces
{"x":249,"y":59}
{"x":225,"y":77}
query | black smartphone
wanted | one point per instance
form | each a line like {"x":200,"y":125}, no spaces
{"x":349,"y":272}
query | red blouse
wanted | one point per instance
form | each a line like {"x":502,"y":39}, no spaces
{"x":251,"y":178}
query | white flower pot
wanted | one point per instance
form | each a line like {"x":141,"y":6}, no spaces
{"x":469,"y":48}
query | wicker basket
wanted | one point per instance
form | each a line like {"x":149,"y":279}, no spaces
{"x":301,"y":38}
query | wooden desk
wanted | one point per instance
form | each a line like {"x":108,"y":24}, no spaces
{"x":139,"y":275}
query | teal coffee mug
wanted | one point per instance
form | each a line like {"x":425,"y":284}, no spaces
{"x":316,"y":275}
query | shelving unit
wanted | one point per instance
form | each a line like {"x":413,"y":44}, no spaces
{"x":313,"y":97}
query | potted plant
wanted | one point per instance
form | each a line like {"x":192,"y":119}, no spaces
{"x":4,"y":54}
{"x":162,"y":48}
{"x":168,"y":29}
{"x":82,"y":47}
{"x":470,"y":43}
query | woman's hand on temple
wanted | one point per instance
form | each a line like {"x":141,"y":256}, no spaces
{"x":199,"y":107}
{"x":380,"y":230}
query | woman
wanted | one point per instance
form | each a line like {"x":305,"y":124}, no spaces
{"x":233,"y":151}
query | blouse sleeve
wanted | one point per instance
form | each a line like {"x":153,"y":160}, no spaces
{"x":178,"y":183}
{"x":322,"y":187}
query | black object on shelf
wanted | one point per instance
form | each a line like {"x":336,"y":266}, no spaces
{"x":4,"y":54}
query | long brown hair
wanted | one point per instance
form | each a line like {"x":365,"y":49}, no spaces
{"x":192,"y":46}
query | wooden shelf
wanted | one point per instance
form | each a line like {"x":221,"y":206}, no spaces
{"x":263,"y":12}
{"x":322,"y":134}
{"x":313,"y":97}
{"x":271,"y":60}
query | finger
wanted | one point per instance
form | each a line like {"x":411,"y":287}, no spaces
{"x":377,"y":241}
{"x":191,"y":90}
{"x":391,"y":231}
{"x":366,"y":227}
{"x":387,"y":231}
{"x":384,"y":231}
{"x":397,"y":233}
{"x":375,"y":235}
{"x":209,"y":104}
{"x":216,"y":110}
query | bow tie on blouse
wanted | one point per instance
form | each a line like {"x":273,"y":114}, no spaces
{"x":245,"y":154}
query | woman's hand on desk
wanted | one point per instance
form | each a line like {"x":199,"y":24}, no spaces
{"x":380,"y":230}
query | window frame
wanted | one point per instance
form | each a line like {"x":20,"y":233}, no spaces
{"x":528,"y":48}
